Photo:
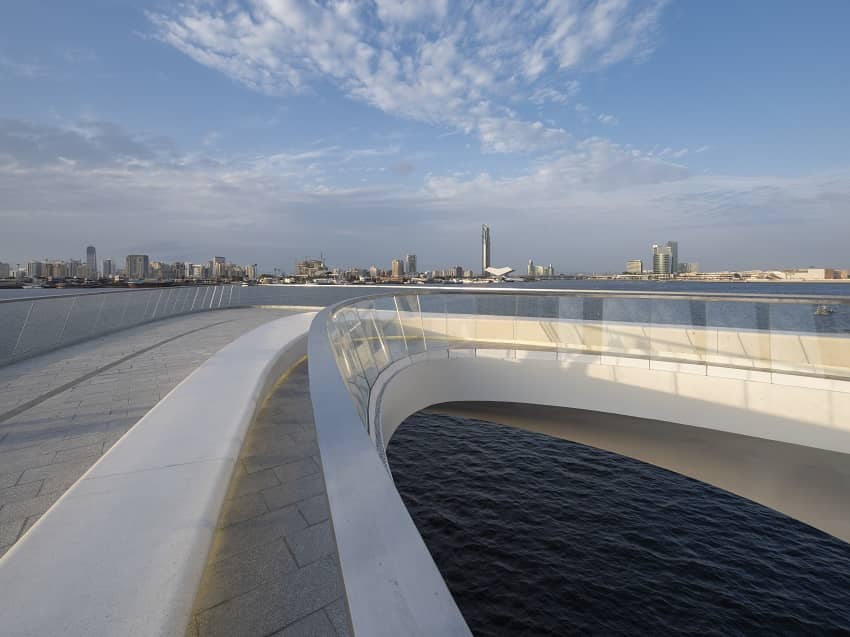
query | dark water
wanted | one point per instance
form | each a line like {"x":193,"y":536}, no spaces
{"x":540,"y":536}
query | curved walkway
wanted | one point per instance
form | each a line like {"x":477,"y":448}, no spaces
{"x":273,"y":568}
{"x":62,"y":411}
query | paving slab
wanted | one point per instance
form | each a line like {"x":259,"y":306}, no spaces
{"x":60,"y":412}
{"x":273,"y":567}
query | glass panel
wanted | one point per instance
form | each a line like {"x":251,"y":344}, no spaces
{"x":626,"y":324}
{"x":573,"y":332}
{"x":134,"y":312}
{"x":112,"y":312}
{"x":537,"y":321}
{"x":460,"y":319}
{"x":374,"y":336}
{"x":494,"y":323}
{"x":12,"y":317}
{"x":410,"y":318}
{"x":810,"y":338}
{"x":434,"y":322}
{"x":362,"y":349}
{"x":43,"y":327}
{"x":390,"y":327}
{"x":678,"y":331}
{"x":742,"y":334}
{"x":82,"y":318}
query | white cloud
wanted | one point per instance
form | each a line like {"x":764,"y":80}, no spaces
{"x":549,"y":94}
{"x":608,"y":120}
{"x":273,"y":208}
{"x":432,"y":61}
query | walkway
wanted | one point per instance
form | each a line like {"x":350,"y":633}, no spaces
{"x":273,"y":566}
{"x":63,"y":410}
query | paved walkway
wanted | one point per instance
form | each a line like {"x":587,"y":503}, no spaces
{"x":273,"y":567}
{"x":63,"y":410}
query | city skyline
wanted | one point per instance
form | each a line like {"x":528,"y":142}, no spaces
{"x":597,"y":127}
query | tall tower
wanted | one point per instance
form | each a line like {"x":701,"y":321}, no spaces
{"x":674,"y":256}
{"x":91,"y":262}
{"x":411,"y":264}
{"x":485,"y":248}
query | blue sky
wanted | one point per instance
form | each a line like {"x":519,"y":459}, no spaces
{"x":581,"y":132}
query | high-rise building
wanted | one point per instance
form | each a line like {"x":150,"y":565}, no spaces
{"x":35,"y":269}
{"x":107,"y":269}
{"x":674,"y":256}
{"x":485,"y":248}
{"x":138,"y":266}
{"x":532,"y":271}
{"x":661,"y":260}
{"x":91,"y":262}
{"x":411,"y":264}
{"x":398,"y":268}
{"x":634,"y":266}
{"x":5,"y":271}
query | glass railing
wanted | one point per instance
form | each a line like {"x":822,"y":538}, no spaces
{"x":769,"y":339}
{"x":31,"y":326}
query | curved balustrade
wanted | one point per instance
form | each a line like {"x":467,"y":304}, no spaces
{"x":375,"y":360}
{"x":35,"y":325}
{"x":804,"y":337}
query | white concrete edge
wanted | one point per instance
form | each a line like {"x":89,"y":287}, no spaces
{"x":122,"y":551}
{"x":391,"y":582}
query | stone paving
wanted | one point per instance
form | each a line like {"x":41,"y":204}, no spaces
{"x":273,"y":567}
{"x":52,"y":428}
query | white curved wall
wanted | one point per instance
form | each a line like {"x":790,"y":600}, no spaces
{"x":793,"y":459}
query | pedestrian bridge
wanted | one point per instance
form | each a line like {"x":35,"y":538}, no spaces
{"x":255,"y":498}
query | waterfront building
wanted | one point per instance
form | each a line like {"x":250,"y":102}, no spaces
{"x":397,"y":268}
{"x":661,"y":260}
{"x":688,"y":268}
{"x":673,"y":247}
{"x":138,"y":266}
{"x":91,"y":262}
{"x":485,"y":248}
{"x":634,"y":266}
{"x":311,"y":268}
{"x":5,"y":271}
{"x":107,"y":269}
{"x":411,"y":264}
{"x":35,"y":269}
{"x":251,"y":271}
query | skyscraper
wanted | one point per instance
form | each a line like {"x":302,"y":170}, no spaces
{"x":91,"y":262}
{"x":661,"y":260}
{"x":398,"y":268}
{"x":107,"y":269}
{"x":411,"y":264}
{"x":674,"y":256}
{"x":138,"y":266}
{"x":485,"y":248}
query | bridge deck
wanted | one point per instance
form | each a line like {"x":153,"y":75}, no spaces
{"x":273,"y":565}
{"x":61,"y":411}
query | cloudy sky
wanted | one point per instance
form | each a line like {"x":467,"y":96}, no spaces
{"x":581,"y":131}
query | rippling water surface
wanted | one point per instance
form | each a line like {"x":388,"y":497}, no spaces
{"x":540,"y":536}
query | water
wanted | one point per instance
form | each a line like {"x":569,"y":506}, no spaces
{"x":539,"y":536}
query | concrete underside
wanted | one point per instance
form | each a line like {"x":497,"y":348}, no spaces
{"x":273,"y":567}
{"x":808,"y":484}
{"x":61,"y":411}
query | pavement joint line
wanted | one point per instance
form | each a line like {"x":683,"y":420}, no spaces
{"x":62,"y":388}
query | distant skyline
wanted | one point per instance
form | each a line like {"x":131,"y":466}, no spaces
{"x":580,"y":132}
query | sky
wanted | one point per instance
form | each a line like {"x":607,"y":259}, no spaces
{"x":580,"y":131}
